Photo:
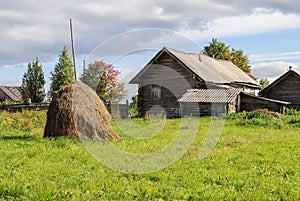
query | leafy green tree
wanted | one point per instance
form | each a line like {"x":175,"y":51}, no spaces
{"x":33,"y":83}
{"x":102,"y":78}
{"x":63,"y":73}
{"x":217,"y":49}
{"x":92,"y":75}
{"x":220,"y":50}
{"x":263,"y":82}
{"x":133,"y":107}
{"x":240,"y":60}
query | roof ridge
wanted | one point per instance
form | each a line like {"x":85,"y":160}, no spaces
{"x":172,"y":49}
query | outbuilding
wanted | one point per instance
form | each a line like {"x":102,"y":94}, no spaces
{"x":285,"y":88}
{"x":10,"y":93}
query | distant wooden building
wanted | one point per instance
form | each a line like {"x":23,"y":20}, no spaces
{"x":10,"y":93}
{"x":171,"y":73}
{"x":285,"y":88}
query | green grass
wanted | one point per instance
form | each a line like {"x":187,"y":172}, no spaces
{"x":252,"y":161}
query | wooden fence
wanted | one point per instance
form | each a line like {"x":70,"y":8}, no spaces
{"x":117,"y":110}
{"x":120,"y":111}
{"x":20,"y":107}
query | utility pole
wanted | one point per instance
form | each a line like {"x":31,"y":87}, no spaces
{"x":73,"y":49}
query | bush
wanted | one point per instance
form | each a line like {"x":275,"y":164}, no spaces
{"x":267,"y":118}
{"x":292,"y":112}
{"x":133,"y":107}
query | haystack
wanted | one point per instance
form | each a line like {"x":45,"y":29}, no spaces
{"x":76,"y":111}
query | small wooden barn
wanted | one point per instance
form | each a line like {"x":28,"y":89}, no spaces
{"x":285,"y":88}
{"x":250,"y":102}
{"x":10,"y":93}
{"x":171,"y":73}
{"x":197,"y":102}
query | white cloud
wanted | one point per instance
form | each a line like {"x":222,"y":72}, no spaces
{"x":280,"y":56}
{"x":273,"y":65}
{"x":259,"y":21}
{"x":272,"y":70}
{"x":40,"y":28}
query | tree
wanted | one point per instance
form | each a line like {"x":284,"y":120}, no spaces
{"x":63,"y":73}
{"x":33,"y":83}
{"x":133,"y":107}
{"x":217,"y":49}
{"x":220,"y":50}
{"x":240,"y":60}
{"x":263,"y":82}
{"x":102,"y":78}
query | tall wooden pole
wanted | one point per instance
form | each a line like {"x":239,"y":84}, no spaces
{"x":73,"y":49}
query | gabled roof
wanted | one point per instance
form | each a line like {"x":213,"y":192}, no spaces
{"x":279,"y":80}
{"x":204,"y":67}
{"x":13,"y":93}
{"x":210,"y":95}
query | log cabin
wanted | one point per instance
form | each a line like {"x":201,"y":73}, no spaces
{"x":285,"y":88}
{"x":172,"y":77}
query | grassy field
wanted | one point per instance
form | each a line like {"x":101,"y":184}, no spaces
{"x":256,"y":158}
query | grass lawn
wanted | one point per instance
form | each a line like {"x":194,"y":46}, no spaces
{"x":253,"y":160}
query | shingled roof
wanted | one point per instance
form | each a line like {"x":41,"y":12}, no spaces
{"x":12,"y":93}
{"x":206,"y":68}
{"x":210,"y":95}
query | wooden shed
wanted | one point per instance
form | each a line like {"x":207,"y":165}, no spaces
{"x":171,"y":73}
{"x":285,"y":88}
{"x":10,"y":93}
{"x":250,"y":102}
{"x":199,"y":102}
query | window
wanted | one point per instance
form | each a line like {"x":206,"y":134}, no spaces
{"x":155,"y":91}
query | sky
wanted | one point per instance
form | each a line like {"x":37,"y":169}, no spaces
{"x":129,"y":33}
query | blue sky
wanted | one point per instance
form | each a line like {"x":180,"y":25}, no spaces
{"x":268,"y":31}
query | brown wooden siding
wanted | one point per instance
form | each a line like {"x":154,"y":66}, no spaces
{"x":119,"y":111}
{"x":287,"y":90}
{"x":3,"y":96}
{"x":203,"y":109}
{"x":168,"y":101}
{"x":250,"y":103}
{"x":174,"y":80}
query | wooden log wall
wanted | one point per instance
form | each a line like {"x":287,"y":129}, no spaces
{"x":203,"y":109}
{"x":174,"y":80}
{"x":287,"y":90}
{"x":249,"y":103}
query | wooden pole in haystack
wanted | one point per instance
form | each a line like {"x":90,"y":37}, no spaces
{"x":73,"y":48}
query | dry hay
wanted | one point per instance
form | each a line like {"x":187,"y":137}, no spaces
{"x":271,"y":113}
{"x":263,"y":112}
{"x":76,"y":111}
